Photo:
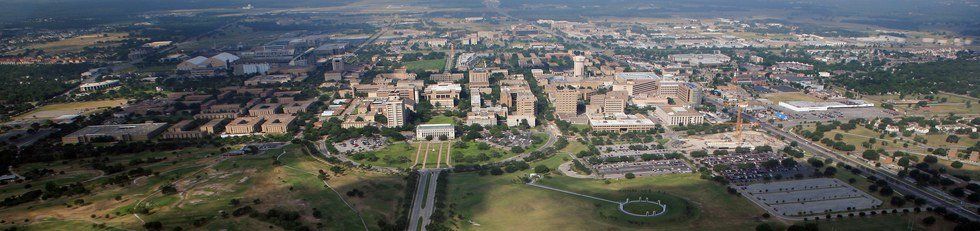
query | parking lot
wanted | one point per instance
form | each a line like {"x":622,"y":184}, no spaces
{"x":841,"y":114}
{"x":362,"y":144}
{"x":737,"y":175}
{"x":808,"y":197}
{"x":644,"y":168}
{"x":509,"y":139}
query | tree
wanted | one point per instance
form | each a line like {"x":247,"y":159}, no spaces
{"x":630,"y":175}
{"x":956,"y":164}
{"x":931,"y":159}
{"x":870,"y":155}
{"x":764,"y":227}
{"x":789,"y":163}
{"x":428,"y":137}
{"x":168,"y":189}
{"x":904,"y":162}
{"x":953,"y":139}
{"x":443,"y":137}
{"x":382,"y":119}
{"x":541,"y":169}
{"x":153,"y":225}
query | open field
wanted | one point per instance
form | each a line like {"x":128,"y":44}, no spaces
{"x":78,"y":43}
{"x":500,"y":202}
{"x":441,"y":119}
{"x":81,"y":108}
{"x":954,"y":104}
{"x":208,"y":184}
{"x":232,"y":36}
{"x":424,"y":65}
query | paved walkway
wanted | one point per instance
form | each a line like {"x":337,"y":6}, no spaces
{"x":620,"y":204}
{"x":566,"y":169}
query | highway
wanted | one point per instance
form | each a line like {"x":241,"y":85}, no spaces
{"x":902,"y":186}
{"x":423,"y":203}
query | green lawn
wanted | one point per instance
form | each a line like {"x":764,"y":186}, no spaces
{"x":398,"y":154}
{"x":441,"y":119}
{"x":424,"y":65}
{"x":498,"y":202}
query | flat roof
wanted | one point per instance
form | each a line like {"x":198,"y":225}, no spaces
{"x":427,"y":126}
{"x":118,"y":129}
{"x":638,"y":75}
{"x":620,"y":120}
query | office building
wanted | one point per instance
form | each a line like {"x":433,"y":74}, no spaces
{"x":677,"y":115}
{"x":565,"y":101}
{"x":613,"y":102}
{"x":434,"y":131}
{"x":443,"y":94}
{"x":116,"y":132}
{"x":394,"y":110}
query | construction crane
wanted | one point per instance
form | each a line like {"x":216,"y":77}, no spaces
{"x":738,"y":108}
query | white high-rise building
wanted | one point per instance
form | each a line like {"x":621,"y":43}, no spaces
{"x":395,"y":111}
{"x":579,"y":69}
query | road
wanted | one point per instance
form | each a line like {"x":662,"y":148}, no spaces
{"x":423,"y":203}
{"x":899,"y":185}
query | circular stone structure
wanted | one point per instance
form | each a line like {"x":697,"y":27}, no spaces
{"x":663,"y":208}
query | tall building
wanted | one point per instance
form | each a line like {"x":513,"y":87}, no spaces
{"x":524,"y":103}
{"x":613,"y":102}
{"x":395,"y":111}
{"x":565,"y":101}
{"x":579,"y":68}
{"x":337,"y":64}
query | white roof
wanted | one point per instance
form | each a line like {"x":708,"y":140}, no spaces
{"x":421,"y":126}
{"x":197,"y":60}
{"x":225,"y":56}
{"x":638,"y":75}
{"x":445,"y":87}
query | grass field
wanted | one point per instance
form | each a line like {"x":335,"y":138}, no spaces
{"x":426,"y":65}
{"x":78,"y":43}
{"x":954,"y":104}
{"x":81,"y":108}
{"x":230,"y":37}
{"x":441,"y":119}
{"x":403,"y":154}
{"x":207,"y":185}
{"x":501,"y":202}
{"x":391,"y":156}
